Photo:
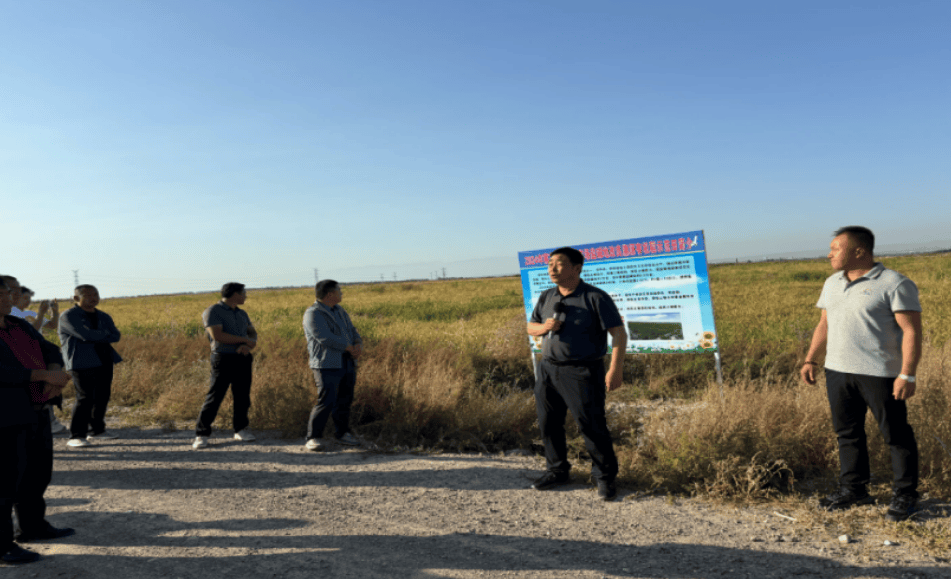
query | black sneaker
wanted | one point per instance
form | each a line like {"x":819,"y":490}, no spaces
{"x":45,"y":534}
{"x":607,"y":490}
{"x":901,"y":507}
{"x":845,"y":498}
{"x":17,"y":554}
{"x":550,"y":480}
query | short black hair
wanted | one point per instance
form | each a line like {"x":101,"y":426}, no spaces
{"x":80,"y":288}
{"x":231,"y":288}
{"x":324,"y":287}
{"x":861,"y":236}
{"x":3,"y":282}
{"x":26,"y":290}
{"x":574,"y":256}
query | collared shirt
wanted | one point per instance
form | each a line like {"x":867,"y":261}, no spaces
{"x":583,"y":337}
{"x":864,"y":337}
{"x":329,"y":333}
{"x":232,"y":321}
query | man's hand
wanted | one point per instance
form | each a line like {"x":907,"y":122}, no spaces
{"x":250,"y":344}
{"x":54,"y":307}
{"x":903,"y":389}
{"x":44,"y":307}
{"x":356,"y":351}
{"x":51,"y":390}
{"x":612,"y":380}
{"x":53,"y":377}
{"x":808,"y":373}
{"x":244,"y":350}
{"x":552,"y":325}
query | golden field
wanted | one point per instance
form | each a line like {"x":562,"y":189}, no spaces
{"x":446,"y":366}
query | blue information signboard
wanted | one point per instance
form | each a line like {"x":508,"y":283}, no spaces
{"x":660,"y":285}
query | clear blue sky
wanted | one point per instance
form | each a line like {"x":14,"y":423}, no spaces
{"x":172,"y":146}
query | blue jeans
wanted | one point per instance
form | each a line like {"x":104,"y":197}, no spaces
{"x":334,"y":397}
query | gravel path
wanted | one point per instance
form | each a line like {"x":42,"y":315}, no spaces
{"x":147,"y":505}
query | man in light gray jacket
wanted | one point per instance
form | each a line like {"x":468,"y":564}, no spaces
{"x":333,"y":345}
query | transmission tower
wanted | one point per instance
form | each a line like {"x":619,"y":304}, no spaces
{"x":75,"y":278}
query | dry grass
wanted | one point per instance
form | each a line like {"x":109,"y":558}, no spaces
{"x":447,"y":366}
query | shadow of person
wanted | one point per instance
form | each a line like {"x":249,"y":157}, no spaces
{"x":147,"y":546}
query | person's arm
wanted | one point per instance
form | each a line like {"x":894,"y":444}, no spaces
{"x":612,"y":380}
{"x":536,"y":327}
{"x":317,"y":324}
{"x":356,"y":349}
{"x":816,"y":348}
{"x":73,"y":324}
{"x":53,"y":322}
{"x":37,"y":322}
{"x":540,"y":329}
{"x":251,"y":332}
{"x":114,"y":334}
{"x":223,"y":337}
{"x":910,"y":324}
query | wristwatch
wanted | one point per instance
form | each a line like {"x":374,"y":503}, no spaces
{"x":907,"y":378}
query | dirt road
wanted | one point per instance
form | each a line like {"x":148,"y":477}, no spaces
{"x":148,"y":506}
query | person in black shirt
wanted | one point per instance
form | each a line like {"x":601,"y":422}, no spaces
{"x":574,"y":319}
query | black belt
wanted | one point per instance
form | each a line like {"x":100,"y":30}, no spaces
{"x":42,"y":406}
{"x":582,"y":363}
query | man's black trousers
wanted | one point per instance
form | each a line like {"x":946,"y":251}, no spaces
{"x":93,"y":390}
{"x":850,"y":396}
{"x":579,"y":388}
{"x":13,"y":445}
{"x":334,"y":398}
{"x":30,"y":506}
{"x":227,"y":370}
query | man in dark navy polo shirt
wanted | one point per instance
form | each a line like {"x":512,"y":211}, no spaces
{"x":574,"y":319}
{"x":232,"y":337}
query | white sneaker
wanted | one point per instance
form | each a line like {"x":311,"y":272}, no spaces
{"x":314,"y":444}
{"x":349,"y":440}
{"x":56,"y":426}
{"x":200,"y":442}
{"x":77,"y":442}
{"x":104,"y":435}
{"x":245,"y":435}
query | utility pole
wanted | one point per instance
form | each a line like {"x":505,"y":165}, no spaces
{"x":75,"y":278}
{"x":394,"y":276}
{"x":444,"y":273}
{"x":316,"y":276}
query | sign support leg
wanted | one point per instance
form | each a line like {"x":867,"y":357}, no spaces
{"x":719,"y":367}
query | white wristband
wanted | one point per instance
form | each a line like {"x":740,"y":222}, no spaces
{"x":907,"y":378}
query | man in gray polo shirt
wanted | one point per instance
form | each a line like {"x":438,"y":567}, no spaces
{"x":871,"y":331}
{"x":232,"y":337}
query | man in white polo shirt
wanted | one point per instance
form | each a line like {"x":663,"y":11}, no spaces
{"x":871,"y":331}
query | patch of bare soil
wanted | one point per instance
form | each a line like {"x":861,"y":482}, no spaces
{"x":148,"y":506}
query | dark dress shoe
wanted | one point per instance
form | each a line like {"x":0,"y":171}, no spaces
{"x":17,"y":554}
{"x":50,"y":532}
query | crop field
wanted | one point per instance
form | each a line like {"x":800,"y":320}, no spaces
{"x":447,"y":366}
{"x":655,"y":331}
